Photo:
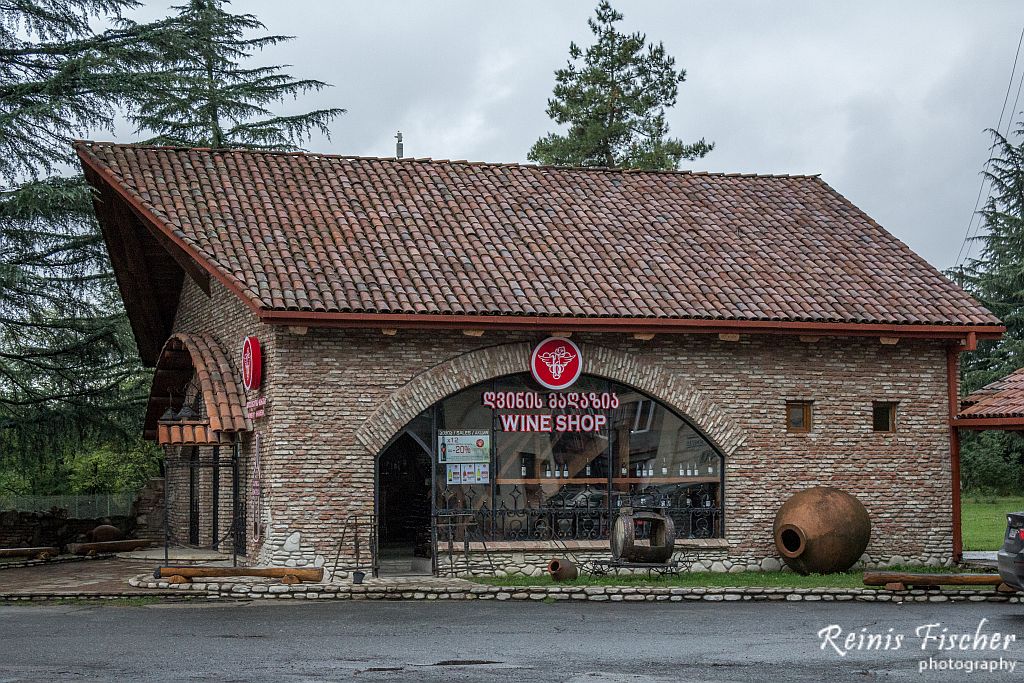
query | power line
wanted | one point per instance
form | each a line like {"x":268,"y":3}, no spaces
{"x":1005,"y":134}
{"x":968,"y":239}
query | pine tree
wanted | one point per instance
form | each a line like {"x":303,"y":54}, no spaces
{"x":614,"y":103}
{"x":209,"y":99}
{"x":69,"y":371}
{"x":996,"y":278}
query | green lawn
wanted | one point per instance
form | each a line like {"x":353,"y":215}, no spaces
{"x":983,"y":520}
{"x":706,"y":580}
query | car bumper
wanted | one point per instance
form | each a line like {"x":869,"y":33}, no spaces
{"x":1011,"y":569}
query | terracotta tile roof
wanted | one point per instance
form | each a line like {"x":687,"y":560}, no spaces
{"x":199,"y":358}
{"x":1000,"y":399}
{"x":308,"y":232}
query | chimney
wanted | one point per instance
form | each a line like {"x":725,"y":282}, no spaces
{"x":399,"y":147}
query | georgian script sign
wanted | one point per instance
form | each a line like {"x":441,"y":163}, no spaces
{"x":252,"y":363}
{"x":556,"y":363}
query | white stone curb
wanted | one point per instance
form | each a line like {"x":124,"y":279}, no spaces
{"x":467,"y":591}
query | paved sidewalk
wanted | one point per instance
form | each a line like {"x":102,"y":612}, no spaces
{"x":88,"y":577}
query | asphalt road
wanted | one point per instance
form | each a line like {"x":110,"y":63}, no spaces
{"x":490,"y":641}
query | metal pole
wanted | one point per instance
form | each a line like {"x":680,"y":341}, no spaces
{"x":216,"y":496}
{"x":235,"y":505}
{"x":167,"y":510}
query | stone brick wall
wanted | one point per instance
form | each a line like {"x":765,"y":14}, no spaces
{"x":336,"y":396}
{"x":36,"y":529}
{"x":228,"y":320}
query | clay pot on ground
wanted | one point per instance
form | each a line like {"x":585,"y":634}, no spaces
{"x":821,"y":530}
{"x":561,"y":569}
{"x":104,"y":533}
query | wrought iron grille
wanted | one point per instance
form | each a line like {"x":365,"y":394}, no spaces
{"x":578,"y":513}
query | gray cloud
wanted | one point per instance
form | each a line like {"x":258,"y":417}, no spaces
{"x":888,"y":101}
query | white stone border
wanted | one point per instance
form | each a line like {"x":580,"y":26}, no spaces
{"x":464,"y":590}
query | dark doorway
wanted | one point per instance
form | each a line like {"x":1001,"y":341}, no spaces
{"x":404,"y":541}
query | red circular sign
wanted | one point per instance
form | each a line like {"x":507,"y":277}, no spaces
{"x":252,"y":363}
{"x":556,"y":363}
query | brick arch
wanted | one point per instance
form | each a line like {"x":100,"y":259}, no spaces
{"x":461,"y":372}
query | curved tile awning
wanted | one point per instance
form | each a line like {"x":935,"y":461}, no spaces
{"x":998,"y":405}
{"x":198,"y":359}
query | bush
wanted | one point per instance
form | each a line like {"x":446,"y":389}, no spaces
{"x":992,"y":463}
{"x":106,"y":469}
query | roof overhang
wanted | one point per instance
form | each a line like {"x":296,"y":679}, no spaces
{"x":965,"y":334}
{"x":1009,"y":424}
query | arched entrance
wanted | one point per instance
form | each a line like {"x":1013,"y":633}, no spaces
{"x":403,"y":507}
{"x":510,"y":461}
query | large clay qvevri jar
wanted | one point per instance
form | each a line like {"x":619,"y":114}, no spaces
{"x":822,"y":530}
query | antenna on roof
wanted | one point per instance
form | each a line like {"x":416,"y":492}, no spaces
{"x":399,"y":147}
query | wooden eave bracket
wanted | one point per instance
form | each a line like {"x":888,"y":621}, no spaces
{"x":196,"y":272}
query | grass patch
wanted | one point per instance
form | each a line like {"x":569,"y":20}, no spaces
{"x":983,"y":520}
{"x":853,"y":579}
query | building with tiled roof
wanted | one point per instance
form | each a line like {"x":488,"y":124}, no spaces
{"x":997,"y":405}
{"x":730,"y":339}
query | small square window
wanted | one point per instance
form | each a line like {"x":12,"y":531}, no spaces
{"x":883,"y":416}
{"x":798,"y":416}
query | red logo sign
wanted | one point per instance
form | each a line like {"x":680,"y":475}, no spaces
{"x":556,"y":363}
{"x":252,"y":363}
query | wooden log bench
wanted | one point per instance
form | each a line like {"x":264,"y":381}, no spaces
{"x":40,"y":553}
{"x":107,"y":547}
{"x":897,"y":581}
{"x":288,"y":575}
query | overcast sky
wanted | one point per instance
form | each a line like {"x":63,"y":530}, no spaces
{"x":888,"y":101}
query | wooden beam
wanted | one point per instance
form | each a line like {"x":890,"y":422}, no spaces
{"x":889,"y":341}
{"x":389,"y":331}
{"x":880,"y":578}
{"x":1010,"y":424}
{"x":132,"y":273}
{"x":107,"y":547}
{"x":728,"y":337}
{"x":640,"y":336}
{"x":439,"y":321}
{"x":473,"y":333}
{"x":194,"y":572}
{"x":188,"y":264}
{"x":40,"y":553}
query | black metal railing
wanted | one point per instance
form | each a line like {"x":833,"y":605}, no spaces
{"x":578,"y":513}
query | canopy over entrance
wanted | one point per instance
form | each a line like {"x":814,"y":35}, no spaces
{"x":999,"y":405}
{"x":196,"y":397}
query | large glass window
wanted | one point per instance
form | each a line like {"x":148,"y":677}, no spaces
{"x":527,"y":463}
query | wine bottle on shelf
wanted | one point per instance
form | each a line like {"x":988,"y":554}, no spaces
{"x":623,"y":471}
{"x":565,"y":471}
{"x":558,"y":471}
{"x":681,"y":470}
{"x":522,"y":469}
{"x":588,"y":469}
{"x":547,"y":470}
